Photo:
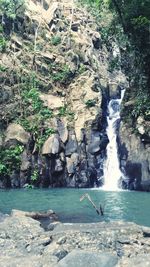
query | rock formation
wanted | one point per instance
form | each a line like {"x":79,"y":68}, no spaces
{"x":55,"y":85}
{"x":119,"y":244}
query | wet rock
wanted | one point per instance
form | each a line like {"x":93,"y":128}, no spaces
{"x":16,"y":132}
{"x":25,"y":163}
{"x":104,"y":142}
{"x":71,"y":182}
{"x":3,"y":216}
{"x":92,"y":176}
{"x":62,"y":130}
{"x":24,"y":177}
{"x":15,"y":179}
{"x":84,"y":258}
{"x":114,"y":89}
{"x":95,"y":141}
{"x":58,"y":165}
{"x":71,"y":145}
{"x":135,"y":159}
{"x":146,"y":231}
{"x":72,"y":163}
{"x":83,"y":181}
{"x":145,"y":185}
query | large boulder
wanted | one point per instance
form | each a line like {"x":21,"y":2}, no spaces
{"x":51,"y":145}
{"x":82,"y":258}
{"x":16,"y":132}
{"x":51,"y":101}
{"x":135,"y":159}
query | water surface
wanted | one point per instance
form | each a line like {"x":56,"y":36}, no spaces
{"x":121,"y":205}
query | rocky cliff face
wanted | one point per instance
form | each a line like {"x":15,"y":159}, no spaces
{"x":55,"y":85}
{"x":54,"y":73}
{"x":135,"y":159}
{"x":135,"y":132}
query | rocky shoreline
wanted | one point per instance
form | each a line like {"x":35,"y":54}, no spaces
{"x":23,"y":242}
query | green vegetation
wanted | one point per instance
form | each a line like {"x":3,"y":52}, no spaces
{"x":3,"y":43}
{"x":31,"y":101}
{"x":59,"y":73}
{"x":2,"y":68}
{"x":114,"y":64}
{"x":128,"y":24}
{"x":44,"y":136}
{"x":55,"y":40}
{"x":64,"y":111}
{"x":34,"y":114}
{"x":10,"y":8}
{"x":90,"y":103}
{"x":134,"y":16}
{"x":82,"y":69}
{"x":10,"y":159}
{"x":94,"y":6}
{"x":35,"y":175}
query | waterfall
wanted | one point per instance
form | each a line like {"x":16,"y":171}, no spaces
{"x":112,"y":172}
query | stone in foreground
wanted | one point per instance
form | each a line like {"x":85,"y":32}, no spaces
{"x":82,"y":258}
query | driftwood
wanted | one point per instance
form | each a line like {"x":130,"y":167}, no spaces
{"x":42,"y":215}
{"x":99,"y":211}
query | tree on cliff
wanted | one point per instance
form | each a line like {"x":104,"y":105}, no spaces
{"x":10,"y":8}
{"x":134,"y":15}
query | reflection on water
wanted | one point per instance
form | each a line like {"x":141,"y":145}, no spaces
{"x":123,"y":205}
{"x":116,"y":203}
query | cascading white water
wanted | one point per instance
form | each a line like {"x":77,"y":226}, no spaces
{"x":112,"y":172}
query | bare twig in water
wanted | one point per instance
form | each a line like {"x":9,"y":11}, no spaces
{"x":99,"y":211}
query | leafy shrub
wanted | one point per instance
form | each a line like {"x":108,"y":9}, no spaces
{"x":2,"y":68}
{"x":35,"y":175}
{"x":114,"y":64}
{"x":46,"y":113}
{"x":90,"y":103}
{"x":3,"y":44}
{"x":55,"y":40}
{"x":64,"y":111}
{"x":61,"y":74}
{"x":9,"y":8}
{"x":42,"y":138}
{"x":10,"y":159}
